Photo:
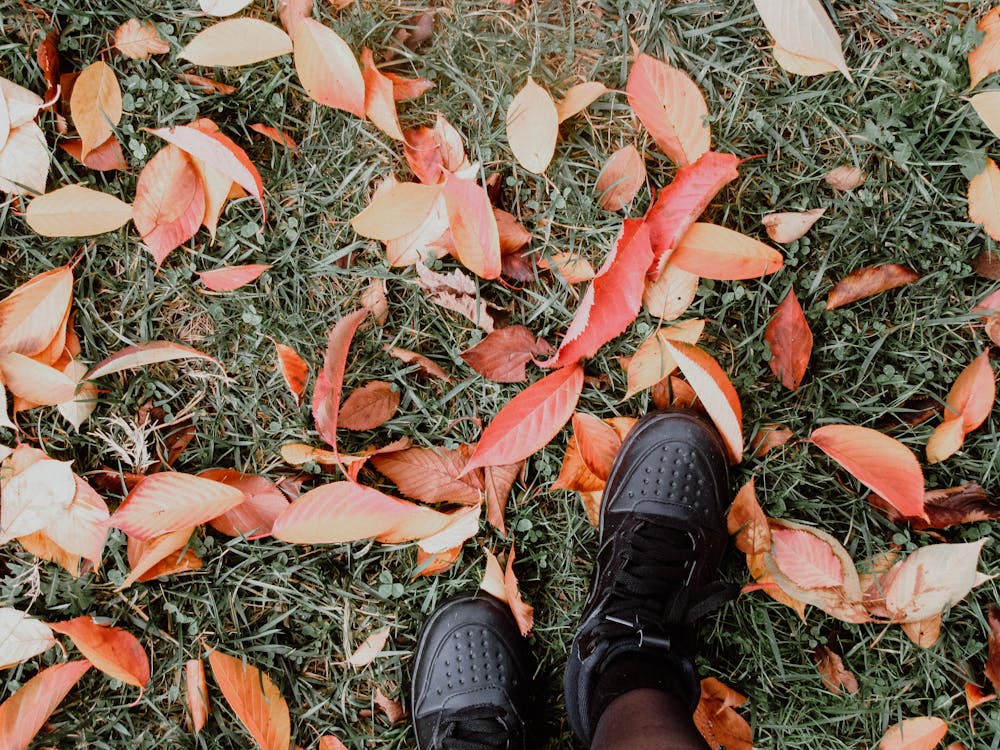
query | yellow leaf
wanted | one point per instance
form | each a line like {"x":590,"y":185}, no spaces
{"x":579,"y":98}
{"x":984,"y":199}
{"x":95,"y":105}
{"x":76,"y":211}
{"x":532,"y":127}
{"x":802,"y":28}
{"x":327,"y":68}
{"x":987,"y":106}
{"x":24,"y":161}
{"x":239,"y":41}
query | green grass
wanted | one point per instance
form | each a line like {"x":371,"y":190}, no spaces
{"x":297,"y":611}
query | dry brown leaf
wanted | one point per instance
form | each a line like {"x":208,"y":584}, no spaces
{"x":369,"y":406}
{"x":835,"y":675}
{"x":455,"y":291}
{"x":868,"y":281}
{"x":504,"y":354}
{"x":392,"y":709}
{"x":992,"y":669}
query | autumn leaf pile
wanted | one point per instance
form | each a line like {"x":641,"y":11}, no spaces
{"x":629,"y":320}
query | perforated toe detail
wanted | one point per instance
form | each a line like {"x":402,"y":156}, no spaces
{"x":471,"y":657}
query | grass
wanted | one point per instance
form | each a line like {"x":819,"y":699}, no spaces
{"x":296,"y":612}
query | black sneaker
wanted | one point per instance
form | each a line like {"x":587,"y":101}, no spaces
{"x":662,"y":538}
{"x":471,"y":678}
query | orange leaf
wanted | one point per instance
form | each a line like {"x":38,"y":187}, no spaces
{"x":423,"y":154}
{"x":171,"y":501}
{"x":791,"y":225}
{"x":426,"y":365}
{"x":146,"y":557}
{"x":396,"y":209}
{"x":430,"y":475}
{"x":230,"y":278}
{"x":578,"y":98}
{"x":255,"y":700}
{"x":623,"y":174}
{"x":670,"y":295}
{"x":922,"y":733}
{"x":404,"y":88}
{"x":806,"y":559}
{"x":992,"y":669}
{"x":197,"y":693}
{"x":96,"y":105}
{"x":330,"y":381}
{"x":651,"y":362}
{"x":329,"y":742}
{"x":140,"y":355}
{"x":207,"y":84}
{"x":137,"y":40}
{"x":169,"y":202}
{"x":574,"y":474}
{"x":532,"y":127}
{"x":253,"y":518}
{"x":114,"y":651}
{"x":294,"y":370}
{"x":34,"y":313}
{"x":984,"y":59}
{"x":236,"y":41}
{"x":369,"y":406}
{"x":380,"y":102}
{"x":966,"y":503}
{"x":790,"y":340}
{"x":434,"y":563}
{"x":868,"y":281}
{"x":597,"y":442}
{"x":714,"y":252}
{"x":612,"y":300}
{"x":498,"y":481}
{"x":26,"y":711}
{"x":717,"y":394}
{"x":523,"y":613}
{"x":845,"y":178}
{"x":372,"y":646}
{"x":879,"y":462}
{"x":671,"y":107}
{"x":716,"y":720}
{"x":108,"y":156}
{"x":473,"y":226}
{"x":973,"y":394}
{"x":769,"y":437}
{"x":327,"y":67}
{"x":835,"y":675}
{"x":747,"y":521}
{"x":571,"y":267}
{"x":278,"y":136}
{"x":392,"y":709}
{"x":503,"y":355}
{"x":530,"y":420}
{"x":82,"y":529}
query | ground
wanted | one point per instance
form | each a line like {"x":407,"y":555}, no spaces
{"x":297,"y":611}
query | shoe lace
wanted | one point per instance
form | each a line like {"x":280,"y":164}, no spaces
{"x":476,"y":728}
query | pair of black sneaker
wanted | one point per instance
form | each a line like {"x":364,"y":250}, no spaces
{"x":662,"y":538}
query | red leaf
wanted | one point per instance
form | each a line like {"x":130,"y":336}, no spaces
{"x":253,"y":518}
{"x":171,"y":501}
{"x":430,"y":475}
{"x":714,"y":252}
{"x":330,"y":382}
{"x":380,"y":103}
{"x":231,"y":277}
{"x":881,"y":463}
{"x":426,"y":365}
{"x":473,"y":226}
{"x":255,"y":699}
{"x":945,"y":508}
{"x":530,"y":420}
{"x":108,"y":156}
{"x":47,"y":57}
{"x":34,"y":315}
{"x":26,"y":711}
{"x":294,"y":370}
{"x":613,"y":298}
{"x":420,"y":147}
{"x":114,"y":651}
{"x":197,"y":693}
{"x":404,"y":88}
{"x":806,"y":559}
{"x":790,"y":341}
{"x":369,"y":406}
{"x":524,"y":614}
{"x":503,"y":355}
{"x":680,"y":203}
{"x":867,"y":282}
{"x":169,"y":202}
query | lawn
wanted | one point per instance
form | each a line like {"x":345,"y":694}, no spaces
{"x":297,"y":611}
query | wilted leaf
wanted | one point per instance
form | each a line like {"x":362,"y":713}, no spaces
{"x":790,"y":340}
{"x":984,"y":198}
{"x":330,"y":381}
{"x":47,"y":57}
{"x":327,"y":67}
{"x":426,"y":365}
{"x":392,"y":709}
{"x":922,"y":733}
{"x":207,"y":84}
{"x":35,"y":489}
{"x":970,"y":401}
{"x":369,"y":406}
{"x":803,"y":28}
{"x":845,"y":178}
{"x":868,"y":281}
{"x":714,"y":252}
{"x":329,"y":742}
{"x":747,"y":521}
{"x":835,"y":675}
{"x":578,"y":98}
{"x":171,"y":501}
{"x":76,"y":211}
{"x":430,"y":475}
{"x":138,"y":40}
{"x":670,"y":106}
{"x":230,"y":278}
{"x":255,"y":700}
{"x":24,"y":161}
{"x":169,"y":202}
{"x":140,"y":355}
{"x":197,"y":693}
{"x":623,"y":174}
{"x":769,"y":437}
{"x":262,"y":505}
{"x":504,"y":354}
{"x":114,"y":651}
{"x":455,"y":291}
{"x":21,"y":637}
{"x":532,"y":127}
{"x":238,"y":41}
{"x":530,"y":420}
{"x":404,"y":88}
{"x":651,"y":362}
{"x":717,"y":721}
{"x":26,"y":711}
{"x":524,"y":613}
{"x":929,"y":580}
{"x":498,"y":482}
{"x":984,"y":58}
{"x":944,"y":508}
{"x":790,"y":226}
{"x":294,"y":370}
{"x":96,"y":105}
{"x":473,"y":226}
{"x":571,"y":267}
{"x":380,"y":100}
{"x":369,"y":649}
{"x":879,"y":462}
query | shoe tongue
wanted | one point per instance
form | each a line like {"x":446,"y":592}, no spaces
{"x":475,"y":727}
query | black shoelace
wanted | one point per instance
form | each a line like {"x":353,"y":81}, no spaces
{"x":476,"y":728}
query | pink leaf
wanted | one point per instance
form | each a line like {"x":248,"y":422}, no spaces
{"x":230,"y":278}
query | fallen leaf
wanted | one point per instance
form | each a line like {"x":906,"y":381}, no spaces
{"x":671,"y":107}
{"x":879,"y":462}
{"x":970,"y":402}
{"x":984,"y":199}
{"x":523,"y":613}
{"x":746,"y":520}
{"x":278,"y":136}
{"x":945,"y":508}
{"x":790,"y":341}
{"x":498,"y":482}
{"x":380,"y":100}
{"x":651,"y":362}
{"x":984,"y":58}
{"x":396,"y":209}
{"x":530,"y":420}
{"x":715,"y":252}
{"x":426,"y":365}
{"x":197,"y":693}
{"x":924,"y":633}
{"x":23,"y":105}
{"x":24,"y":713}
{"x":612,"y":300}
{"x":868,"y":281}
{"x":294,"y":370}
{"x":327,"y":68}
{"x":230,"y":278}
{"x":35,"y":383}
{"x":504,"y":354}
{"x":144,"y":557}
{"x":836,"y":677}
{"x":47,"y":57}
{"x":114,"y":651}
{"x":329,"y":742}
{"x":578,"y":98}
{"x":22,"y":637}
{"x":36,"y":489}
{"x":532,"y":127}
{"x":222,"y":7}
{"x":404,"y":88}
{"x":369,"y":406}
{"x":238,"y":41}
{"x":992,"y":668}
{"x":35,"y":313}
{"x":171,"y":501}
{"x":253,"y":518}
{"x":392,"y":709}
{"x":140,"y":355}
{"x":104,"y":158}
{"x":597,"y":442}
{"x":768,"y":438}
{"x":930,"y":579}
{"x":169,"y":202}
{"x":790,"y":226}
{"x":96,"y":105}
{"x":845,"y":178}
{"x":623,"y":174}
{"x":974,"y":698}
{"x":330,"y":381}
{"x":455,"y":291}
{"x":571,"y":267}
{"x":81,"y":529}
{"x":922,"y":733}
{"x":806,"y":559}
{"x":804,"y":29}
{"x":987,"y":106}
{"x":473,"y":226}
{"x":255,"y":700}
{"x":369,"y":649}
{"x":430,"y":475}
{"x":24,"y":161}
{"x":76,"y":211}
{"x":717,"y":721}
{"x":137,"y":40}
{"x":669,"y":295}
{"x":207,"y":84}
